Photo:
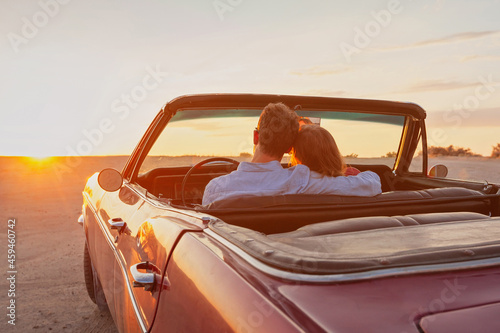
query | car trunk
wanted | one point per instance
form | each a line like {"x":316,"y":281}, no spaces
{"x":379,"y":274}
{"x":433,"y":302}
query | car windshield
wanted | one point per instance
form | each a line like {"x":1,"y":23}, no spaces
{"x":194,"y":135}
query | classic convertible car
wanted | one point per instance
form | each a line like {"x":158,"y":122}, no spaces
{"x":423,"y":256}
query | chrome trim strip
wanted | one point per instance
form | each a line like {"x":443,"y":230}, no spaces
{"x":432,"y":268}
{"x":119,"y":259}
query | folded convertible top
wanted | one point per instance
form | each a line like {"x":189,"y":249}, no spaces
{"x":321,"y":253}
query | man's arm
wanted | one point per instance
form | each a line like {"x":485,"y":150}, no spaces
{"x":210,"y":194}
{"x":365,"y":184}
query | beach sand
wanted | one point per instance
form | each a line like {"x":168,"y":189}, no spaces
{"x":50,"y":292}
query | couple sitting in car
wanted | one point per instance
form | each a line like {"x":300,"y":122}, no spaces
{"x":318,"y":165}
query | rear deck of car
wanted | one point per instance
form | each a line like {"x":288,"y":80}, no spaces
{"x":332,"y":235}
{"x":331,"y":248}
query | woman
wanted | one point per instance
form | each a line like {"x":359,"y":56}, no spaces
{"x":315,"y":147}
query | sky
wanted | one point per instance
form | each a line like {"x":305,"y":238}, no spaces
{"x":87,"y":77}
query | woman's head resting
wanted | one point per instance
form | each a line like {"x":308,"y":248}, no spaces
{"x":315,"y":147}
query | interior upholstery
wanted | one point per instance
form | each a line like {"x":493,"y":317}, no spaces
{"x":376,"y":222}
{"x":278,"y":214}
{"x":308,"y":199}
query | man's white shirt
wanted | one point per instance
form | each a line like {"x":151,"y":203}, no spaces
{"x":268,"y":179}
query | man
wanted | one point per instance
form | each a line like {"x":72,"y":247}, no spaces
{"x":264,"y":176}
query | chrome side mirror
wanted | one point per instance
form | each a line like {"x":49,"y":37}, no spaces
{"x":439,"y":170}
{"x":110,"y":180}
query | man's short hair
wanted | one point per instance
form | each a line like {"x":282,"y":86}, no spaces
{"x":278,"y":127}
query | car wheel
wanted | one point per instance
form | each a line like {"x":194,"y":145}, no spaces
{"x":92,"y":283}
{"x":87,"y":271}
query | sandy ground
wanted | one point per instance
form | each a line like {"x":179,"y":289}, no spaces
{"x":470,"y":168}
{"x":45,"y":200}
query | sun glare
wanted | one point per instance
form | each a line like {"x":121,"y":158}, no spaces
{"x":39,"y":159}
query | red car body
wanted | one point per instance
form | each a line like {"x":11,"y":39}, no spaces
{"x":163,"y":267}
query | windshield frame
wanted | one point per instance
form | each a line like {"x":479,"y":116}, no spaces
{"x":414,"y":117}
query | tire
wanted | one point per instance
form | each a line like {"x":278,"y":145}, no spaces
{"x":92,"y":283}
{"x":88,"y":273}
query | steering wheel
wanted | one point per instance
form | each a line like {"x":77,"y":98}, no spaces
{"x":199,"y":165}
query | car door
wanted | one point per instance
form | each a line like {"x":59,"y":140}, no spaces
{"x":121,"y":216}
{"x":143,"y":234}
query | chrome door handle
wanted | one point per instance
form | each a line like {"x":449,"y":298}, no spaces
{"x":118,"y":224}
{"x":144,"y":280}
